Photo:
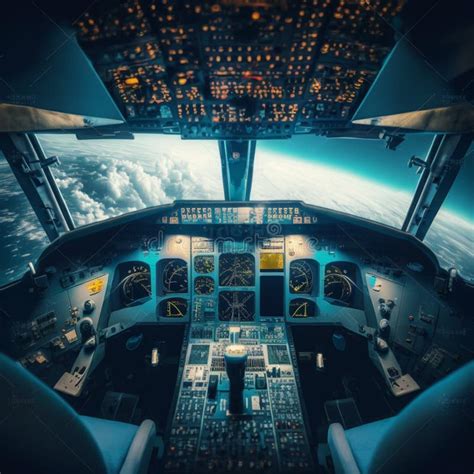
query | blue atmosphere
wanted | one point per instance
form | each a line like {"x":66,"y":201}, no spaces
{"x":371,"y":160}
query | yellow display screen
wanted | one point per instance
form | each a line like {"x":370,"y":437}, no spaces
{"x":271,"y":262}
{"x":95,"y":286}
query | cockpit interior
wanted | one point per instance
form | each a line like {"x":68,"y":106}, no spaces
{"x":266,"y":320}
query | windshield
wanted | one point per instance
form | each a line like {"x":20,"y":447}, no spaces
{"x":105,"y":178}
{"x":364,"y":178}
{"x":451,"y":235}
{"x":360,"y":177}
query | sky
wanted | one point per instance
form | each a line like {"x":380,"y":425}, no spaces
{"x":370,"y":159}
{"x":104,"y":178}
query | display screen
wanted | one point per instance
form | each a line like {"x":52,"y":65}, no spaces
{"x":271,"y":262}
{"x":271,"y":295}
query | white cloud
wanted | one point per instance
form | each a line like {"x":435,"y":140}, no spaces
{"x":98,"y":187}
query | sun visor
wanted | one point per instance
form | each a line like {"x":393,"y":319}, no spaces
{"x":46,"y":80}
{"x":409,"y":93}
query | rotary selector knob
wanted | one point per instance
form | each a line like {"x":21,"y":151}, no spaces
{"x":384,"y":328}
{"x":381,"y":345}
{"x":85,"y":327}
{"x":89,"y":306}
{"x":385,"y":308}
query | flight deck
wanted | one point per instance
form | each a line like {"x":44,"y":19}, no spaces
{"x":242,"y":275}
{"x":170,"y":304}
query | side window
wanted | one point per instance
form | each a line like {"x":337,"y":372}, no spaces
{"x":22,"y":238}
{"x":451,"y":235}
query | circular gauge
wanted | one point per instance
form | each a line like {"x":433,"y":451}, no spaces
{"x":204,"y":264}
{"x":203,"y":286}
{"x":173,"y":308}
{"x":236,"y":269}
{"x":236,"y":305}
{"x":301,"y":277}
{"x":302,"y":308}
{"x":135,"y":284}
{"x":337,"y":285}
{"x":175,"y":276}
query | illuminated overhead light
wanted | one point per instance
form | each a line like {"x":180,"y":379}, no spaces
{"x":131,"y":81}
{"x":255,"y":16}
{"x":182,"y":81}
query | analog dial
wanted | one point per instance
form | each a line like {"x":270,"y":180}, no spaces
{"x":175,"y":276}
{"x":173,"y":308}
{"x":204,"y":264}
{"x":204,"y":285}
{"x":135,"y":284}
{"x":301,"y":277}
{"x":337,"y":284}
{"x":302,"y":308}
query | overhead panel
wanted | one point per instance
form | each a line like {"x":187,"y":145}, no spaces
{"x":235,"y":68}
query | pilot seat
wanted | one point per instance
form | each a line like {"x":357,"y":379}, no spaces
{"x":433,"y":433}
{"x":41,"y":433}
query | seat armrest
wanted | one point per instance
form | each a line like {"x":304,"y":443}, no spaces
{"x":341,"y":453}
{"x":139,"y":453}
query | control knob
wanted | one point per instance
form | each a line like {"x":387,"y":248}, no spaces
{"x":89,"y":306}
{"x":385,"y":308}
{"x":384,"y":329}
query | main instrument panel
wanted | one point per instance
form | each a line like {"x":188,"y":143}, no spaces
{"x":246,"y":263}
